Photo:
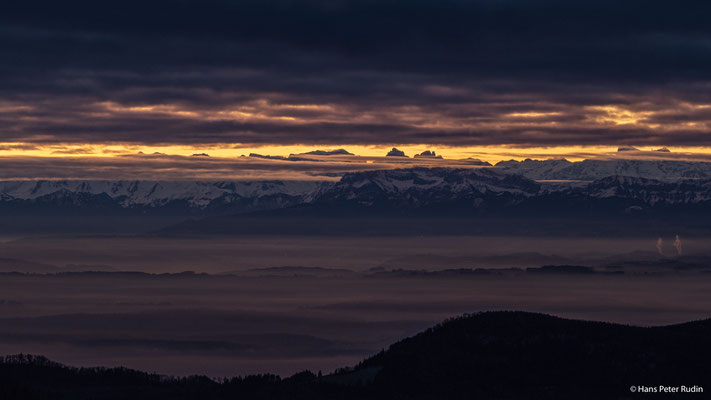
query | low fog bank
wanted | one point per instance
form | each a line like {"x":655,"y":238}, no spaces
{"x":280,"y":304}
{"x":224,"y":325}
{"x":334,"y":223}
{"x":403,"y":223}
{"x":42,"y":225}
{"x":361,"y":253}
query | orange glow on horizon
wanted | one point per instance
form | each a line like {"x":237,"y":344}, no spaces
{"x":492,"y":154}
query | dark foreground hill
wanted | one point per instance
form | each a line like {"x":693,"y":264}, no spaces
{"x":494,"y":355}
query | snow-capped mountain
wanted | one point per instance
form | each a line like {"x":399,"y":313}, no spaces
{"x":234,"y":196}
{"x":417,"y":187}
{"x":492,"y":189}
{"x":478,"y":201}
{"x":588,"y":170}
{"x":649,"y":192}
{"x":448,"y":190}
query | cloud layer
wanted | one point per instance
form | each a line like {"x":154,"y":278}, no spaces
{"x":455,"y":73}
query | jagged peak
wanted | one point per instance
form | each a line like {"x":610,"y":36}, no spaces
{"x":395,"y":153}
{"x":329,"y":152}
{"x":626,"y":148}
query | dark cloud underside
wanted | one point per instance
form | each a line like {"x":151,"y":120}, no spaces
{"x":362,"y":72}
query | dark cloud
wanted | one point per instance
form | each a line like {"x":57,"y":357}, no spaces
{"x":441,"y":72}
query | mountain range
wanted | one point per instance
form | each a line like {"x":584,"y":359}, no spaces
{"x":513,"y":188}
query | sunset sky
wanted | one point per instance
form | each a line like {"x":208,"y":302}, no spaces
{"x":85,"y":85}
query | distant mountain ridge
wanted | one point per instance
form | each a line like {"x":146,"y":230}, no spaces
{"x":478,"y":201}
{"x":480,"y":190}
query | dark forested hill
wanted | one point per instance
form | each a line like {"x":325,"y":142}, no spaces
{"x":501,"y":355}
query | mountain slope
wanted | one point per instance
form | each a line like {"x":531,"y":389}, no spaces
{"x":523,"y":355}
{"x":501,"y":355}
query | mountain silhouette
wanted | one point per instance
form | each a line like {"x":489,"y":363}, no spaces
{"x":491,"y":355}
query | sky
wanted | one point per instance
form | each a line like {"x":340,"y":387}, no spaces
{"x":85,"y":83}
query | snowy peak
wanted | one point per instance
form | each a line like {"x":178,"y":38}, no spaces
{"x":588,"y":170}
